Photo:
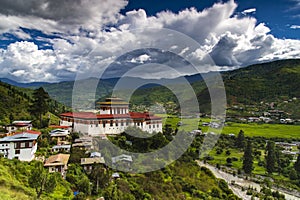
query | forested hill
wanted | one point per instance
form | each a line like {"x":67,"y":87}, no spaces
{"x":264,"y":82}
{"x":269,"y":82}
{"x":15,"y":104}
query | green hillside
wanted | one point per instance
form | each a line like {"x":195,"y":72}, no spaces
{"x":181,"y":180}
{"x":14,"y":176}
{"x":15,"y":103}
{"x":269,"y":82}
{"x":264,"y":82}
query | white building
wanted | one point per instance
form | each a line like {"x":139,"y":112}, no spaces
{"x":113,"y":118}
{"x":21,"y":145}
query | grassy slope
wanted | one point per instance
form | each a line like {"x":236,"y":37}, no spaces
{"x":14,"y":182}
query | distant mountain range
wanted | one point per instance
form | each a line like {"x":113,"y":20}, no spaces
{"x":23,"y":85}
{"x":248,"y":85}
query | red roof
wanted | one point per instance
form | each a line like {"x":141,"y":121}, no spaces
{"x":56,"y":126}
{"x":29,"y":131}
{"x":21,"y":124}
{"x":90,"y":115}
{"x":145,"y":115}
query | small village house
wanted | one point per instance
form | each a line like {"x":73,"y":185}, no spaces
{"x":22,"y":145}
{"x":58,"y":163}
{"x":61,"y":136}
{"x":21,"y":125}
{"x":122,"y":161}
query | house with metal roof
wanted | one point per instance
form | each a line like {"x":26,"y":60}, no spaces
{"x":60,"y":135}
{"x":122,"y":161}
{"x":21,"y":145}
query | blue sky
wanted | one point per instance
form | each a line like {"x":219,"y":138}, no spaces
{"x":44,"y":40}
{"x":279,"y":15}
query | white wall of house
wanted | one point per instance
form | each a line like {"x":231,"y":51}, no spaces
{"x":23,"y":154}
{"x":4,"y":148}
{"x":65,"y":123}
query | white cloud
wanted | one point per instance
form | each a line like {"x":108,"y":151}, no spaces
{"x":141,"y":59}
{"x":248,"y":11}
{"x":24,"y":62}
{"x":230,"y":40}
{"x":295,"y":26}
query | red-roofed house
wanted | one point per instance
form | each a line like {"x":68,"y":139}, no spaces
{"x":23,"y":125}
{"x":113,"y":118}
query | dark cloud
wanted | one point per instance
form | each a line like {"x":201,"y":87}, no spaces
{"x":222,"y":53}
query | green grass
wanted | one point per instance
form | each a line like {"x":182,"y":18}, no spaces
{"x":250,"y":129}
{"x":265,"y":130}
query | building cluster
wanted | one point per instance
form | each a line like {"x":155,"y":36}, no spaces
{"x":113,"y":117}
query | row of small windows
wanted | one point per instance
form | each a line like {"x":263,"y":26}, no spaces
{"x":116,"y":110}
{"x":153,"y":126}
{"x":127,"y":123}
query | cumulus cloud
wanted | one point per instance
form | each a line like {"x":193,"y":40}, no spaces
{"x":23,"y":61}
{"x":94,"y":35}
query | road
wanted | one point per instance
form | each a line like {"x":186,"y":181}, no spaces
{"x":240,"y":182}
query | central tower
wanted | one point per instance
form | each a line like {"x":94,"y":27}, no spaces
{"x":114,"y":106}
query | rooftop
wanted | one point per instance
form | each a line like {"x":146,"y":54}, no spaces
{"x":66,"y":146}
{"x":90,"y":115}
{"x":122,"y":157}
{"x":59,"y":132}
{"x":86,"y":161}
{"x":22,"y":136}
{"x":59,"y":159}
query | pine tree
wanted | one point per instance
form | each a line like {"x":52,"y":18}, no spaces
{"x":39,"y":105}
{"x":271,"y":157}
{"x":248,"y":158}
{"x":297,"y":164}
{"x":240,"y":140}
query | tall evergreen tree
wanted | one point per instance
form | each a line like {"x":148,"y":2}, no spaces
{"x":240,"y":140}
{"x":297,"y":164}
{"x":248,"y":158}
{"x":271,"y":157}
{"x":40,"y":104}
